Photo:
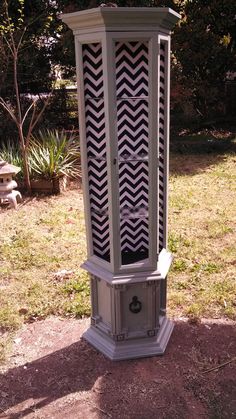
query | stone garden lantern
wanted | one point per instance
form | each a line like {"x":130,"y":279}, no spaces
{"x":123,"y":66}
{"x":7,"y":184}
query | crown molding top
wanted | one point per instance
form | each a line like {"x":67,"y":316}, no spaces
{"x":124,"y":18}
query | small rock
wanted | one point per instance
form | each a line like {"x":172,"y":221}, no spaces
{"x":62,"y":275}
{"x":17,"y":341}
{"x":158,"y":381}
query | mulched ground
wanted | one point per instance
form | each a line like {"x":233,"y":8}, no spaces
{"x":53,"y":373}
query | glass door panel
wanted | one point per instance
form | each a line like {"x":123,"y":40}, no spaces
{"x":96,"y":148}
{"x":132,"y":137}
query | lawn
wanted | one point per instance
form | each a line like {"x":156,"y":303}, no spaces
{"x":43,"y":243}
{"x":202,"y":220}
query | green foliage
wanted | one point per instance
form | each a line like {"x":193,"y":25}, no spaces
{"x":180,"y":265}
{"x":9,"y":319}
{"x":53,"y":153}
{"x":62,"y":110}
{"x":63,"y":49}
{"x":204,"y":46}
{"x":77,"y":292}
{"x":9,"y":24}
{"x":10,"y":152}
{"x":32,"y":22}
{"x":206,"y":267}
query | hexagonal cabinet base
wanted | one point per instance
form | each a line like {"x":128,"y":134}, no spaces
{"x":132,"y":348}
{"x":129,"y":311}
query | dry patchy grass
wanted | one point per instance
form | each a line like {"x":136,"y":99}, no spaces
{"x":42,"y":245}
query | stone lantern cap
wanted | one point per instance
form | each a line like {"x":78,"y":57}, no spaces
{"x":8,"y":169}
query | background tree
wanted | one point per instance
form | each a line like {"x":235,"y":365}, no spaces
{"x":13,"y":28}
{"x":63,"y":49}
{"x":203,"y":46}
{"x":204,"y":49}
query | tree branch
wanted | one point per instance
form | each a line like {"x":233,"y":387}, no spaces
{"x":20,"y":40}
{"x":34,"y":123}
{"x":30,"y":129}
{"x":27,"y":111}
{"x":8,"y":44}
{"x":8,"y":109}
{"x":219,"y":366}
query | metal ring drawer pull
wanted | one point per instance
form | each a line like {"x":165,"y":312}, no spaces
{"x":135,"y":306}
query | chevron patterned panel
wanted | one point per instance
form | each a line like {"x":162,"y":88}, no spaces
{"x":133,"y":188}
{"x":131,"y":69}
{"x":96,"y":148}
{"x":134,"y":239}
{"x":93,"y":70}
{"x":133,"y":184}
{"x":95,"y":128}
{"x":132,"y":127}
{"x":132,"y":130}
{"x":161,"y":145}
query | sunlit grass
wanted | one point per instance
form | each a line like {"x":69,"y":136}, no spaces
{"x":39,"y":244}
{"x":202,"y":236}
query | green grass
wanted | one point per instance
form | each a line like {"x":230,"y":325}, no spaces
{"x":202,"y":235}
{"x":46,"y":237}
{"x":38,"y":242}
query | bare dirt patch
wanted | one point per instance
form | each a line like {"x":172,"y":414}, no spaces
{"x":54,"y":373}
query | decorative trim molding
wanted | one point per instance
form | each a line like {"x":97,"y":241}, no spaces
{"x":126,"y":18}
{"x":163,"y":266}
{"x":132,"y":348}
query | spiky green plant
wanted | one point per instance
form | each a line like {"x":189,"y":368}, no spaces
{"x":10,"y":152}
{"x":53,"y":154}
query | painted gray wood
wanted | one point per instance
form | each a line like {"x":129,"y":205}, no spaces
{"x":123,"y":55}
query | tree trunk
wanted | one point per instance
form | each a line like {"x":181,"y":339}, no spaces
{"x":24,"y":153}
{"x":26,"y":171}
{"x":24,"y":149}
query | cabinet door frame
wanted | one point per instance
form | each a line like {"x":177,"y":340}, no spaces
{"x":108,"y":40}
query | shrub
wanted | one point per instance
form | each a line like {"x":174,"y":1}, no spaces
{"x":10,"y":152}
{"x":51,"y":154}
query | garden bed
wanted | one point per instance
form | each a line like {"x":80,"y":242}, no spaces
{"x":49,"y":186}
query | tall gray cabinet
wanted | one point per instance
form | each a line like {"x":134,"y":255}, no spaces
{"x":123,"y":66}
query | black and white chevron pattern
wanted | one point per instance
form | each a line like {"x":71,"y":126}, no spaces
{"x":101,"y":238}
{"x":132,"y":131}
{"x":133,"y":189}
{"x":95,"y":128}
{"x":133,"y":184}
{"x":161,"y":136}
{"x":132,"y":127}
{"x":96,"y":148}
{"x":131,"y":69}
{"x":134,"y":239}
{"x":93,"y":70}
